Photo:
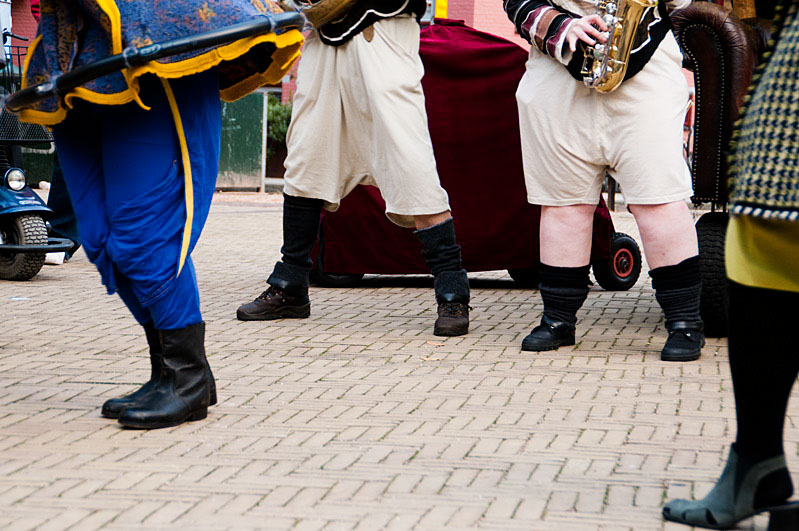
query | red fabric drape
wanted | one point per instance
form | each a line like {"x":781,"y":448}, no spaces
{"x":470,"y":85}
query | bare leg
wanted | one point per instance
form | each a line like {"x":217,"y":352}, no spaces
{"x":428,"y":220}
{"x":566,"y":235}
{"x":563,"y":273}
{"x":671,"y":248}
{"x":667,"y":231}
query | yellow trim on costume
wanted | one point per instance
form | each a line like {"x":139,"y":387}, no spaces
{"x":187,"y":178}
{"x":441,"y":9}
{"x":110,"y":8}
{"x":288,"y":47}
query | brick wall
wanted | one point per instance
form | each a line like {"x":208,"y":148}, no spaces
{"x":485,"y":15}
{"x":22,"y":21}
{"x":463,"y":10}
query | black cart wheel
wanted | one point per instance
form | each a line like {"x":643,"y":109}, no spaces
{"x":526,"y":277}
{"x":621,"y":270}
{"x":27,"y":229}
{"x":331,"y":280}
{"x":714,"y":307}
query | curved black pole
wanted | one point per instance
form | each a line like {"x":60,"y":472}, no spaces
{"x":133,"y":57}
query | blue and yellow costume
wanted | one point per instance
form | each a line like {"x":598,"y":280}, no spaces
{"x":152,"y":165}
{"x":140,"y":150}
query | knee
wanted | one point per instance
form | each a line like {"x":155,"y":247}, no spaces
{"x":576,"y":217}
{"x":664,"y":210}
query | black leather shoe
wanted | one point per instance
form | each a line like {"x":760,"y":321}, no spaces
{"x":453,"y":319}
{"x":549,"y":335}
{"x":685,"y":342}
{"x":183,"y":391}
{"x":274,"y":303}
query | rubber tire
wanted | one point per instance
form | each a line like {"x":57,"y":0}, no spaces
{"x":526,"y":277}
{"x":25,"y":229}
{"x":318,"y":276}
{"x":621,"y":270}
{"x":714,"y":306}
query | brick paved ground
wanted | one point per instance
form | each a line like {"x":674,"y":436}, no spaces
{"x":358,"y":418}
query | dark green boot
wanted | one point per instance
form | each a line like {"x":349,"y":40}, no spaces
{"x":744,"y":489}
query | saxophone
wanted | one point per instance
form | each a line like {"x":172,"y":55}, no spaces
{"x":605,"y":64}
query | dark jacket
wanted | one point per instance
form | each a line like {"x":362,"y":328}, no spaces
{"x":654,"y":26}
{"x":364,"y":14}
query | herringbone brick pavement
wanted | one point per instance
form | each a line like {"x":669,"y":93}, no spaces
{"x":357,"y":418}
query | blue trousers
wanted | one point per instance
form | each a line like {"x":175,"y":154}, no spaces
{"x":124,"y":172}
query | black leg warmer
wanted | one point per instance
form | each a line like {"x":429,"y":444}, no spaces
{"x":442,"y":254}
{"x":677,"y":290}
{"x":300,"y":231}
{"x":563,"y":290}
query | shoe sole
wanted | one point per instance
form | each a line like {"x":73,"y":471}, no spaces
{"x":295,"y":312}
{"x":693,"y":356}
{"x":200,"y":414}
{"x":687,"y":357}
{"x":445,"y":333}
{"x":781,"y":518}
{"x":545,"y":349}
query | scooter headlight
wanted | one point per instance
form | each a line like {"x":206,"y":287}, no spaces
{"x":15,"y":179}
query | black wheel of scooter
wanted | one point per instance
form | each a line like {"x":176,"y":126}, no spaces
{"x":26,"y":229}
{"x":621,"y":270}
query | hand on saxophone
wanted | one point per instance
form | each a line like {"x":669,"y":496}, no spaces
{"x":589,"y":29}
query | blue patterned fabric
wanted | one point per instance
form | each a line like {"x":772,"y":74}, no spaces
{"x":77,"y":32}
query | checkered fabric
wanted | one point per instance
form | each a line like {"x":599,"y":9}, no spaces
{"x":764,"y":175}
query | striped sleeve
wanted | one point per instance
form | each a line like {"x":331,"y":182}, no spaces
{"x":542,"y":24}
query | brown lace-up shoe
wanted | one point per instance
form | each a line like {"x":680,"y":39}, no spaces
{"x":453,"y":319}
{"x":274,"y":303}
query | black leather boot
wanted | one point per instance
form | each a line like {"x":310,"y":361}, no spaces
{"x":183,"y":390}
{"x":113,"y":407}
{"x":452,"y":295}
{"x":549,"y":335}
{"x":275,"y":303}
{"x":685,"y":342}
{"x":442,"y":254}
{"x":288,"y":295}
{"x":563,"y":290}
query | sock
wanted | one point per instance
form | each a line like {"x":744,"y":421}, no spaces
{"x":301,"y":217}
{"x":442,"y":254}
{"x":678,"y":289}
{"x":439,"y":249}
{"x":564,"y":290}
